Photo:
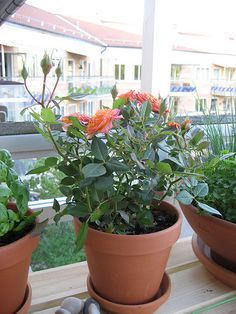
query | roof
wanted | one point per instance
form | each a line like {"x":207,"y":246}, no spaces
{"x":33,"y":17}
{"x":8,"y":7}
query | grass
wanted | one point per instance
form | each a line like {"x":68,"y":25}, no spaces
{"x":56,"y":247}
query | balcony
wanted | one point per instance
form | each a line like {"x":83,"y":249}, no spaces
{"x":181,"y":88}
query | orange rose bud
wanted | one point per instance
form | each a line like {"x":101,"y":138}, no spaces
{"x":173,"y":124}
{"x":186,"y":124}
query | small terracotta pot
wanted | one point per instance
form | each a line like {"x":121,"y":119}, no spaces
{"x":218,"y":234}
{"x":14,"y":267}
{"x":128,"y":269}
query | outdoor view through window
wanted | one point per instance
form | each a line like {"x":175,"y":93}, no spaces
{"x":99,"y":43}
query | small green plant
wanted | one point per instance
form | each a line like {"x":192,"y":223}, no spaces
{"x":217,"y":195}
{"x":13,"y":224}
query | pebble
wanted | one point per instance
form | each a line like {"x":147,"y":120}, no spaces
{"x":62,"y":311}
{"x":91,"y":307}
{"x":72,"y":305}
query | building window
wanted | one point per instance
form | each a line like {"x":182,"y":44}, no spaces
{"x":229,"y":73}
{"x":213,"y":105}
{"x":119,"y":71}
{"x":87,"y":107}
{"x":201,"y":104}
{"x":175,"y":71}
{"x":137,"y":72}
{"x":202,"y":74}
{"x":216,"y":74}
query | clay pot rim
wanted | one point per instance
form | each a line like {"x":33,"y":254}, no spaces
{"x":13,"y":245}
{"x":147,"y":235}
{"x":211,"y":218}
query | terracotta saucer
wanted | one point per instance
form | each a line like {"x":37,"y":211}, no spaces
{"x":202,"y":251}
{"x":27,"y":301}
{"x":147,"y":308}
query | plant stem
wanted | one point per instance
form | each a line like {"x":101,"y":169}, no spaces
{"x":27,"y":89}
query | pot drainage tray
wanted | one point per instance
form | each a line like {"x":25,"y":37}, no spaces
{"x":146,"y":308}
{"x":202,"y":251}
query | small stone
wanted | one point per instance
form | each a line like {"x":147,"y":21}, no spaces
{"x":62,"y":311}
{"x":73,"y":305}
{"x":91,"y":307}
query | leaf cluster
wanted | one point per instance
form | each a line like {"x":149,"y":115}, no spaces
{"x":217,"y":194}
{"x":12,"y":189}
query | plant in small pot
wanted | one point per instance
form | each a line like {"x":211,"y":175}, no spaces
{"x":210,"y":208}
{"x":17,"y":242}
{"x":120,"y":164}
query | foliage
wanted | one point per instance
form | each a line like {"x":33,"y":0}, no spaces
{"x":220,"y":134}
{"x":56,"y":247}
{"x":12,"y":189}
{"x":46,"y":184}
{"x":217,"y":195}
{"x":116,"y":161}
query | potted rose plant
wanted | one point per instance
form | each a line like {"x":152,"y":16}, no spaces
{"x":210,"y":208}
{"x":17,"y":225}
{"x":120,"y":164}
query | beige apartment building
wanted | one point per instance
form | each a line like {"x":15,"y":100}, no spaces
{"x":95,"y":57}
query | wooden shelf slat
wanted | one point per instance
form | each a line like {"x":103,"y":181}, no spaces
{"x":193,"y":287}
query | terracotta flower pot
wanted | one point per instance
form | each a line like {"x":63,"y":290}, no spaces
{"x":128,"y":269}
{"x":218,"y":234}
{"x":14,"y":267}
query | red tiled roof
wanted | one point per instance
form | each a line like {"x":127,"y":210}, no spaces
{"x":97,"y":34}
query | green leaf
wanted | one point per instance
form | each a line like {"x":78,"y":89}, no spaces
{"x":164,"y":168}
{"x":77,"y":210}
{"x":203,"y":145}
{"x":99,"y":212}
{"x":197,"y":138}
{"x":118,"y":103}
{"x":56,"y":205}
{"x":103,"y":183}
{"x":149,"y":154}
{"x":38,"y":170}
{"x":68,"y":181}
{"x":135,"y":159}
{"x":51,"y":161}
{"x":201,"y":190}
{"x":115,"y":165}
{"x":65,"y":190}
{"x":76,"y":123}
{"x":5,"y":193}
{"x":146,"y":109}
{"x":48,"y":115}
{"x":124,"y":215}
{"x":82,"y":235}
{"x":5,"y":157}
{"x":99,"y":149}
{"x":44,"y":135}
{"x":75,"y":132}
{"x":184,"y":197}
{"x":93,"y":170}
{"x":208,"y":209}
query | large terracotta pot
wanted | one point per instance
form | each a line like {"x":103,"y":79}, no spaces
{"x":14,"y":268}
{"x":128,"y":269}
{"x":218,"y":234}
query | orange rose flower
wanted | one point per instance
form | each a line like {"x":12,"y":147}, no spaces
{"x":140,"y":98}
{"x":101,"y":122}
{"x":82,"y":118}
{"x":173,"y":124}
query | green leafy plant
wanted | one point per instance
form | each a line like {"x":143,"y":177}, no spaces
{"x":117,"y":161}
{"x":13,"y":224}
{"x":217,"y":195}
{"x":221,"y":130}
